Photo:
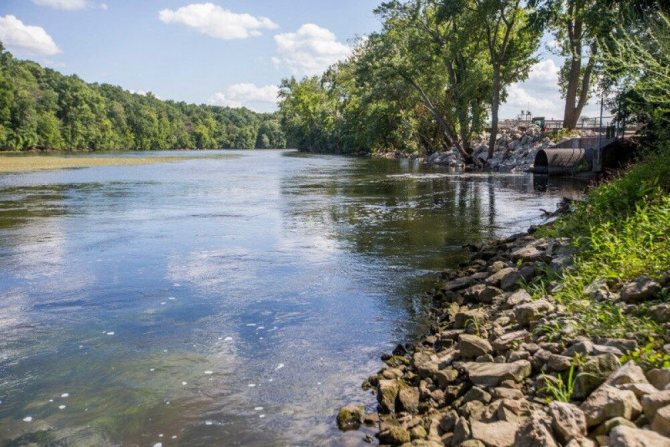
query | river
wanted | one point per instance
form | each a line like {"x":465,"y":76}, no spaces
{"x":229,"y":301}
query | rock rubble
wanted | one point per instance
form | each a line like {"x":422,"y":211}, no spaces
{"x":485,"y":374}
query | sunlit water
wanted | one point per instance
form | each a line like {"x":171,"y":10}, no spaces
{"x":232,"y":301}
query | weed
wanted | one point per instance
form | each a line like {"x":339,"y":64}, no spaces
{"x":564,"y":387}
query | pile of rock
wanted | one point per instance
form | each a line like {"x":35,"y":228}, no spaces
{"x":499,"y":367}
{"x":514,"y":151}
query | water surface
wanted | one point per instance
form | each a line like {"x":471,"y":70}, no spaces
{"x":231,"y":301}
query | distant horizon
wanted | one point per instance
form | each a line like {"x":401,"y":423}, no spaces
{"x":163,"y":46}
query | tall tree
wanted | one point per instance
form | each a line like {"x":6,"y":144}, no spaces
{"x":435,"y":48}
{"x":511,"y":40}
{"x":576,"y":25}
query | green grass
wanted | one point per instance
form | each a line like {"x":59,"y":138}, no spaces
{"x":564,"y":387}
{"x":621,"y":231}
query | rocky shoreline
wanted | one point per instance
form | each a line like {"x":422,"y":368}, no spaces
{"x":515,"y":150}
{"x":491,"y":374}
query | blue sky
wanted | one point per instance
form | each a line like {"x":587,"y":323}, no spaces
{"x":227,"y":52}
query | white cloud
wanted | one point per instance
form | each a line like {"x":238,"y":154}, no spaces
{"x":310,"y":50}
{"x":217,"y":22}
{"x":70,"y":5}
{"x":540,"y":94}
{"x":21,"y":38}
{"x":261,"y":99}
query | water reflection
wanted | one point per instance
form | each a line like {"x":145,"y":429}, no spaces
{"x":241,"y":298}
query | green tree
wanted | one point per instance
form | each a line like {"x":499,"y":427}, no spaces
{"x":511,"y":39}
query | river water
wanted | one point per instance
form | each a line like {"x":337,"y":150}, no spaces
{"x":231,"y":301}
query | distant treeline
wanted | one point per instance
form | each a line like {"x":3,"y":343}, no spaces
{"x":43,"y":109}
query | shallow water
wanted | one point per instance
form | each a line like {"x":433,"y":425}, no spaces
{"x":232,"y":301}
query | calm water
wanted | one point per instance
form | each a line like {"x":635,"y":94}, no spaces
{"x":233,"y":301}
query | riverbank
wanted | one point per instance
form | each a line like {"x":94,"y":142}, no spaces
{"x":26,"y":163}
{"x":515,"y":149}
{"x":555,"y":337}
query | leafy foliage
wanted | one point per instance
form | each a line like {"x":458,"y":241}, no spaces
{"x":41,"y":108}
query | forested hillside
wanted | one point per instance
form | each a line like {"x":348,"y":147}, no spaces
{"x":41,"y":108}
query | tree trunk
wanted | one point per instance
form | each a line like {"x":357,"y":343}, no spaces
{"x":570,"y":115}
{"x":495,"y":105}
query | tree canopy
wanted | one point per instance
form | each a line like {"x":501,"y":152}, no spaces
{"x":41,"y":108}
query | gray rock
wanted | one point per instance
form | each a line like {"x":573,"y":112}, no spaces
{"x":559,"y":363}
{"x":660,"y":313}
{"x":584,"y":347}
{"x":492,"y":374}
{"x":606,"y":427}
{"x":604,"y":349}
{"x":640,"y":389}
{"x":529,"y":253}
{"x":518,"y":297}
{"x":639,"y":290}
{"x":472,"y":346}
{"x":628,"y":373}
{"x":608,"y":402}
{"x":507,"y":393}
{"x":495,"y":434}
{"x":461,"y":431}
{"x":387,"y":392}
{"x":507,"y":275}
{"x":530,"y":312}
{"x":394,"y":435}
{"x":581,"y":442}
{"x":660,"y":378}
{"x":507,"y":341}
{"x":408,"y":397}
{"x":567,"y":420}
{"x":651,"y":403}
{"x":598,"y":290}
{"x":661,"y":421}
{"x":470,"y":318}
{"x":536,"y":432}
{"x":623,"y":436}
{"x":445,"y":377}
{"x":476,"y":394}
{"x":481,"y":293}
{"x":593,"y":373}
{"x":350,"y":417}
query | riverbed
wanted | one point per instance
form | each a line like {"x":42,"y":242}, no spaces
{"x":234,"y":300}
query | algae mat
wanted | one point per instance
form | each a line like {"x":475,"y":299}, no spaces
{"x":20,"y":163}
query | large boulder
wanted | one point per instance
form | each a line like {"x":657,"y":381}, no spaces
{"x":567,"y":420}
{"x":623,"y":436}
{"x":608,"y":402}
{"x":492,"y":374}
